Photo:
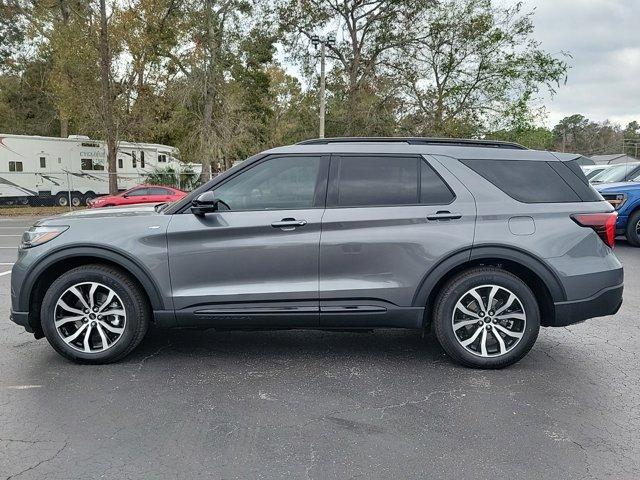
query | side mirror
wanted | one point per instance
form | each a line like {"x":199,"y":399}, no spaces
{"x":205,"y":203}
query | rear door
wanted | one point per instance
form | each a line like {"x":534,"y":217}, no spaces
{"x":389,"y":220}
{"x":257,"y":263}
{"x":159,"y":194}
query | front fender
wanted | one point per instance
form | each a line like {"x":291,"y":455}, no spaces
{"x":121,"y":258}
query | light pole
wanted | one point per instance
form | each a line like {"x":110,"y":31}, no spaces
{"x":322,"y":42}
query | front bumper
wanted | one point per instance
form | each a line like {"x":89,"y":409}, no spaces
{"x":22,"y":319}
{"x":606,"y":302}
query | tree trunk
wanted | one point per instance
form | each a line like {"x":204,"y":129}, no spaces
{"x":206,"y":139}
{"x":64,"y":126}
{"x":107,"y":100}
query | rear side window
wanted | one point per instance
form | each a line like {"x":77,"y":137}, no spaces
{"x":527,"y":181}
{"x":388,"y":180}
{"x":433,"y":190}
{"x":377,"y":181}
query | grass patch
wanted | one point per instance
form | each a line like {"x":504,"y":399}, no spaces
{"x":21,"y":211}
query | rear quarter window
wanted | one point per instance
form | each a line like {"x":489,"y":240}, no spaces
{"x":532,"y":181}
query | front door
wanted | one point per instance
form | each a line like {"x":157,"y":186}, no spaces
{"x":389,"y":220}
{"x":257,"y":262}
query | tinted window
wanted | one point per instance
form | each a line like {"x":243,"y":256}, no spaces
{"x":433,"y":190}
{"x":525,"y":180}
{"x":43,"y":162}
{"x":138,"y":192}
{"x":377,"y":181}
{"x":86,"y":164}
{"x":159,"y":191}
{"x":278,"y":183}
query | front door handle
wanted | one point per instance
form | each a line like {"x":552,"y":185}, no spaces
{"x":444,"y":215}
{"x":289,"y":224}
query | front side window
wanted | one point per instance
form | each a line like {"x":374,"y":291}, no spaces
{"x":377,"y":181}
{"x":275,"y":184}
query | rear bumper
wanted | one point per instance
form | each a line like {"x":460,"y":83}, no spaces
{"x":606,"y":302}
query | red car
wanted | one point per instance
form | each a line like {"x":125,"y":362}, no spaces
{"x":139,"y":194}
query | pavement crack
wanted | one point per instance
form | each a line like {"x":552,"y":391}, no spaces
{"x":48,"y":459}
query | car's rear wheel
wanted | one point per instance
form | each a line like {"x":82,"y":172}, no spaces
{"x":486,"y":317}
{"x":633,"y":229}
{"x":94,"y":314}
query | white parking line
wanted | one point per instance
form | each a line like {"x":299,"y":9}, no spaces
{"x":10,"y":235}
{"x":2,"y":274}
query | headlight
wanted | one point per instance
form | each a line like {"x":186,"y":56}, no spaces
{"x":38,"y":235}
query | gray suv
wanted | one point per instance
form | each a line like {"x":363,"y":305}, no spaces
{"x":481,"y":241}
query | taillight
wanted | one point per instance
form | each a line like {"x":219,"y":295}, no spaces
{"x":604,"y":224}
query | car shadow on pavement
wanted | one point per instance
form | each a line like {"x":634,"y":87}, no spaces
{"x":289,"y":344}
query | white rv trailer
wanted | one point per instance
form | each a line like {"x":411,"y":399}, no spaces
{"x":74,"y":169}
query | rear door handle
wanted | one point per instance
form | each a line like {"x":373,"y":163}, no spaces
{"x":289,"y":223}
{"x":444,"y":215}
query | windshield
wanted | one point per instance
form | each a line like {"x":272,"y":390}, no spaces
{"x":592,"y":173}
{"x":617,"y":173}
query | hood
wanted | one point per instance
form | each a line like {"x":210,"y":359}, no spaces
{"x":144,"y":209}
{"x":617,"y":187}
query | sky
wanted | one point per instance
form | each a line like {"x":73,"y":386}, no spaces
{"x":603,"y":39}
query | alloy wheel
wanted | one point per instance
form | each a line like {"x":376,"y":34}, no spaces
{"x":90,"y":317}
{"x":489,"y":320}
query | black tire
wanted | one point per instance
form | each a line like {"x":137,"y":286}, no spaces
{"x":135,"y":305}
{"x":633,"y":229}
{"x":62,"y":199}
{"x":77,"y":200}
{"x":455,"y":290}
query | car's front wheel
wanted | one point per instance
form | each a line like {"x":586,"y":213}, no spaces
{"x":633,"y":229}
{"x":94,"y":314}
{"x":486,"y":317}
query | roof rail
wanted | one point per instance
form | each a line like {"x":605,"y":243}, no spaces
{"x":459,"y":142}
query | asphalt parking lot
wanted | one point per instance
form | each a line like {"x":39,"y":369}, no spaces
{"x":319,"y":405}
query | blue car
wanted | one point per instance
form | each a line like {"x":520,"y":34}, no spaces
{"x":625,"y":197}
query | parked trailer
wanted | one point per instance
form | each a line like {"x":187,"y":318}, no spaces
{"x":62,"y":170}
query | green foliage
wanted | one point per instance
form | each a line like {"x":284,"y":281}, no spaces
{"x":206,"y":75}
{"x":187,"y":180}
